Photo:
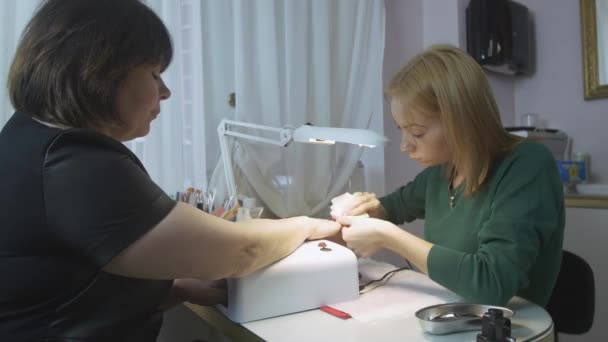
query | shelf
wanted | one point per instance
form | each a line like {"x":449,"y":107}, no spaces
{"x":586,"y":201}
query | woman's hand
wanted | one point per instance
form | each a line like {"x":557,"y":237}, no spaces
{"x":365,"y":202}
{"x":365,"y":236}
{"x":201,"y":292}
{"x":322,"y":228}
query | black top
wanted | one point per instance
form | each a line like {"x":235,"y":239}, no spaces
{"x":70,"y":200}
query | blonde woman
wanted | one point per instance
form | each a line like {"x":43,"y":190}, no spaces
{"x":492,"y":203}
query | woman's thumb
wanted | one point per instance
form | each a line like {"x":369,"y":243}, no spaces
{"x":344,"y":220}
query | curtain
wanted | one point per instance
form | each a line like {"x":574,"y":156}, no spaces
{"x":300,"y":62}
{"x":289,"y":62}
{"x":175,"y":152}
{"x":15,"y":15}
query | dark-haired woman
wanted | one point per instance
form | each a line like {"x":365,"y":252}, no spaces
{"x":91,"y":249}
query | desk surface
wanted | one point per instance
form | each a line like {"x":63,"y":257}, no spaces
{"x":393,"y":320}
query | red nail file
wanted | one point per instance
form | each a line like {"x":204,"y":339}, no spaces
{"x":335,"y":312}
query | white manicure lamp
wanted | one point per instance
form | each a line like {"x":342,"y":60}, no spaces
{"x":318,"y":272}
{"x":305,"y":134}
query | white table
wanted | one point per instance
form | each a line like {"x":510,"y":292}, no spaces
{"x":391,"y":320}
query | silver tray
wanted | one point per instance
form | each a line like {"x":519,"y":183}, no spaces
{"x":454,"y":317}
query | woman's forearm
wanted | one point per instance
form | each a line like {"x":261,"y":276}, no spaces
{"x":274,"y":239}
{"x":189,"y":243}
{"x":409,"y":246}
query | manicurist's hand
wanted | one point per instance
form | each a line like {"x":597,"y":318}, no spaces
{"x":201,"y":292}
{"x":322,"y":228}
{"x":365,"y":236}
{"x":365,"y":202}
{"x":196,"y":291}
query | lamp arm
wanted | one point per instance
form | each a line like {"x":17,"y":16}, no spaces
{"x":228,"y":173}
{"x":224,"y":130}
{"x":304,"y":133}
{"x":285,"y":133}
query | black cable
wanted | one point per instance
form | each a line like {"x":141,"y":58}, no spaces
{"x":407,"y":263}
{"x":387,"y":274}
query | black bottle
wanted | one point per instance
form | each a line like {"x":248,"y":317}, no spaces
{"x":495,"y":327}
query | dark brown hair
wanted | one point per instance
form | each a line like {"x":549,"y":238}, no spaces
{"x":73,"y":55}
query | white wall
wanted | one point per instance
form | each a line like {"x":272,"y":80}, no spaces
{"x":404,"y":39}
{"x":555,"y":91}
{"x":411,"y":26}
{"x":440,"y":25}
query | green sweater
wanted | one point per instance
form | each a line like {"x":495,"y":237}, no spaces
{"x":504,"y":240}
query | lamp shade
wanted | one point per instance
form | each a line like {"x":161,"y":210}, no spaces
{"x":283,"y":136}
{"x":331,"y":135}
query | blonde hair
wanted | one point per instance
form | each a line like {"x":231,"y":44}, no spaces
{"x":443,"y":80}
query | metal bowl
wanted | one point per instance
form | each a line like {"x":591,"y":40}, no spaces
{"x":454,"y":317}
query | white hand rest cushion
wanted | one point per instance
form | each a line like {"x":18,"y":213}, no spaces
{"x":310,"y":277}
